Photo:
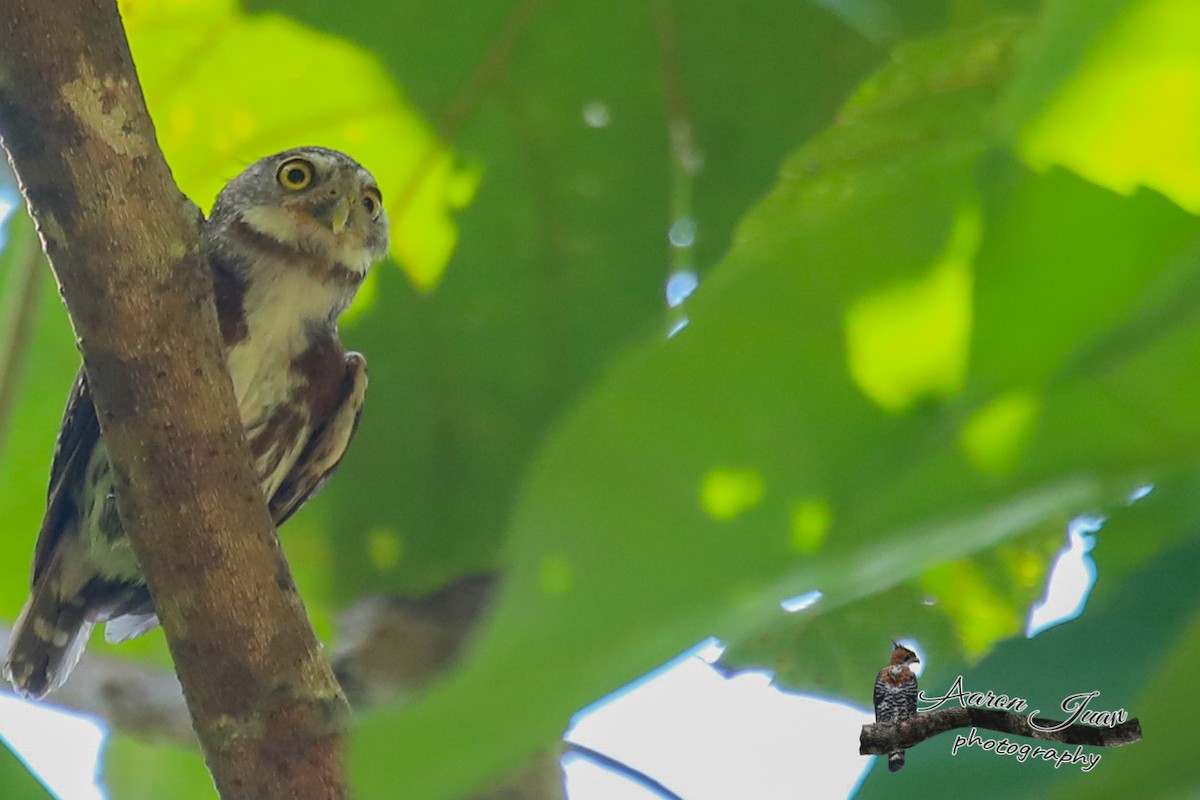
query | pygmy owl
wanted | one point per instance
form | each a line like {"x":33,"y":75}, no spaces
{"x":288,"y":242}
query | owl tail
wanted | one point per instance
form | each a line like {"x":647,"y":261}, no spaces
{"x":895,"y":760}
{"x":47,"y":640}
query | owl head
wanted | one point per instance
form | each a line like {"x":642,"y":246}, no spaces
{"x":902,"y":655}
{"x":312,"y":199}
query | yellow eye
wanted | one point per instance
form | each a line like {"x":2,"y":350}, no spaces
{"x":373,"y":202}
{"x":295,"y":174}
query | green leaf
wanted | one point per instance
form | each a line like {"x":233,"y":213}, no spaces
{"x":26,"y":443}
{"x":1124,"y":118}
{"x":661,"y":510}
{"x":22,"y":266}
{"x":564,"y":252}
{"x":604,"y":515}
{"x":136,"y":770}
{"x":957,"y":611}
{"x":16,"y":782}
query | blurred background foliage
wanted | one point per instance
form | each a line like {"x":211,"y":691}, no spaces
{"x":949,"y":297}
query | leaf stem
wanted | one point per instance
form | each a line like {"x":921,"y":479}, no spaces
{"x":621,"y":768}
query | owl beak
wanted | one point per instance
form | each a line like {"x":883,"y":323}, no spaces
{"x":339,"y":215}
{"x":335,"y":213}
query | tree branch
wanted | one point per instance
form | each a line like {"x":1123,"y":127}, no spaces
{"x":124,"y":245}
{"x":136,"y":700}
{"x":388,"y":648}
{"x":391,"y":647}
{"x":884,"y":737}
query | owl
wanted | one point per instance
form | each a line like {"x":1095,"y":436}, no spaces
{"x":896,"y":694}
{"x":288,"y":243}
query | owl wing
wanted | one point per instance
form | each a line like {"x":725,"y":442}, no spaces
{"x":325,"y":448}
{"x":77,"y":437}
{"x":910,"y":698}
{"x":880,"y":694}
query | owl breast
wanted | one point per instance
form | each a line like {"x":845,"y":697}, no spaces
{"x":285,"y":318}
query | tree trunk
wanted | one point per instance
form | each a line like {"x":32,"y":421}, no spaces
{"x":124,"y":245}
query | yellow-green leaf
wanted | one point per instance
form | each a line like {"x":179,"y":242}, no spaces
{"x":226,"y":88}
{"x":911,"y":341}
{"x":1131,"y":115}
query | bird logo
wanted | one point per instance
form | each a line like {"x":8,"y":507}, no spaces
{"x":896,"y":694}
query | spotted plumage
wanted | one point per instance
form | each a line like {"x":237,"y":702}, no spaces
{"x":896,"y":694}
{"x":288,"y":242}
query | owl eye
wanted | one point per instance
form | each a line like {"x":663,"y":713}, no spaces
{"x":295,"y":174}
{"x":373,"y":202}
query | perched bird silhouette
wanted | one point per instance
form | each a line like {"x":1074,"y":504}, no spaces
{"x":288,"y":243}
{"x":896,"y":694}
